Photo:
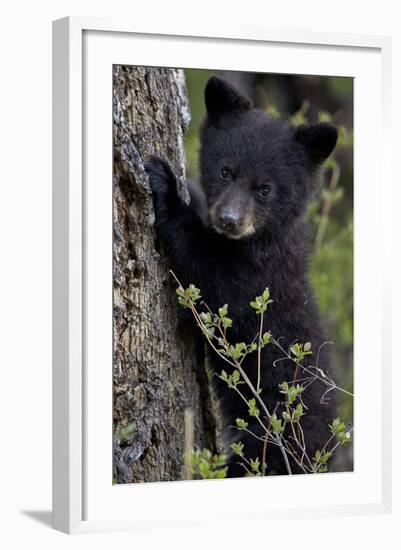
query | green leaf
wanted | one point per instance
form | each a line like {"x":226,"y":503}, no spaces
{"x":298,"y":413}
{"x":266,"y":338}
{"x":126,"y":431}
{"x":338,"y":429}
{"x":237,"y":448}
{"x":221,"y":474}
{"x":298,"y":119}
{"x":337,"y":426}
{"x":206,"y":318}
{"x":204,"y":470}
{"x":276,"y":424}
{"x":324,"y":116}
{"x":238,"y":351}
{"x":205,"y":465}
{"x":266,"y":295}
{"x":227,"y":322}
{"x":183,"y":301}
{"x":223,"y":375}
{"x":235,"y":376}
{"x":283,"y":387}
{"x":223,"y":311}
{"x":255,"y":465}
{"x":241,"y":424}
{"x":320,"y":460}
{"x":253,"y":409}
{"x":273,"y":111}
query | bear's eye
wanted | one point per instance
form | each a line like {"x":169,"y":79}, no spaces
{"x":225,"y":173}
{"x":263,"y":191}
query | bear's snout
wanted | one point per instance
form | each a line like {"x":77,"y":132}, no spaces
{"x":232,"y":218}
{"x":228,"y":219}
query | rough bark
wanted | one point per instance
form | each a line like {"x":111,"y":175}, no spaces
{"x":155,"y":373}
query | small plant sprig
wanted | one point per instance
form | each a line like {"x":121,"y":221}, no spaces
{"x":285,"y":432}
{"x":188,"y":298}
{"x":206,"y":465}
{"x":253,"y":467}
{"x":311,"y":373}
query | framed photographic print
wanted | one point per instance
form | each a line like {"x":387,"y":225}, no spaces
{"x":216,"y":340}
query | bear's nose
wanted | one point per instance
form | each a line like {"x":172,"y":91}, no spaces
{"x":228,"y":219}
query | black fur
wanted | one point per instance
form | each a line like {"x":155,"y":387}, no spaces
{"x":263,"y":244}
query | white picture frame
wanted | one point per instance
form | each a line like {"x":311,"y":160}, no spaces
{"x":80,"y":45}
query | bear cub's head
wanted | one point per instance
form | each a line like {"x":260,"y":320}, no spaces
{"x":258,"y":173}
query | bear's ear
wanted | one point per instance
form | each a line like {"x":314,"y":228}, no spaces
{"x":318,"y":140}
{"x":221,"y":98}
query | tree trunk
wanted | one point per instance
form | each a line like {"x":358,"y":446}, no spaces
{"x":155,"y":374}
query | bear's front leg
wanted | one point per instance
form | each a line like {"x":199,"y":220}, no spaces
{"x":178,"y":225}
{"x":163,"y":183}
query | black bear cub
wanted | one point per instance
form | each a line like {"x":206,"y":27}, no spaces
{"x":245,"y":230}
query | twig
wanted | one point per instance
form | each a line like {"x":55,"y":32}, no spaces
{"x":259,"y":349}
{"x":335,"y":176}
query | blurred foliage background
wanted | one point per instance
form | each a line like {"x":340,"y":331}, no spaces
{"x":301,"y":99}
